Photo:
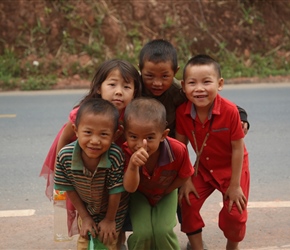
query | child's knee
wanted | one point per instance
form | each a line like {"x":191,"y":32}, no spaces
{"x":233,"y":224}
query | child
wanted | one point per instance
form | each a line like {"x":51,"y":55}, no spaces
{"x":117,"y":81}
{"x":158,"y":66}
{"x":212,"y":125}
{"x":156,"y":165}
{"x":90,"y":170}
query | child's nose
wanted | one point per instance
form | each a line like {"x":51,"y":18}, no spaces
{"x":157,"y":82}
{"x":118,"y":90}
{"x":95,"y":140}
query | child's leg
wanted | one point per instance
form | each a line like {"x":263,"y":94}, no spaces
{"x":140,"y":214}
{"x":163,"y":221}
{"x":192,"y":222}
{"x":233,"y":224}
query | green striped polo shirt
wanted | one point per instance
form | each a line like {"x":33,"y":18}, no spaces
{"x":93,"y":188}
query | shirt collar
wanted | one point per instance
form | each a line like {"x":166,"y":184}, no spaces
{"x":166,"y":155}
{"x":214,"y":110}
{"x":77,"y":162}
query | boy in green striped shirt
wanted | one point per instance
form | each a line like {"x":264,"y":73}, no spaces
{"x":91,"y":171}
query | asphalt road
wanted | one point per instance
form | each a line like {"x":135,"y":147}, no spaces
{"x":30,"y":120}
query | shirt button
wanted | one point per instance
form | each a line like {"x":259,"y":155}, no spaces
{"x":207,"y":158}
{"x":202,"y":126}
{"x":149,"y":177}
{"x":211,"y":171}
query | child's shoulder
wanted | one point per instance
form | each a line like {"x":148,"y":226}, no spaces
{"x":175,"y":144}
{"x":115,"y":152}
{"x":227,"y":104}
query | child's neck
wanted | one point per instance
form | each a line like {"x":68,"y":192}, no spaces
{"x":202,"y":114}
{"x":91,"y":164}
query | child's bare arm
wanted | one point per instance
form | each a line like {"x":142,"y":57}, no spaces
{"x":181,"y":138}
{"x":65,"y":137}
{"x":234,"y":192}
{"x":178,"y":182}
{"x":107,"y":227}
{"x":88,"y":224}
{"x":131,"y":176}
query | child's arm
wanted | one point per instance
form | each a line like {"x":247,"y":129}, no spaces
{"x":244,"y":119}
{"x":131,"y":176}
{"x":88,"y":224}
{"x":177,"y":183}
{"x":107,"y":227}
{"x":187,"y":186}
{"x":66,"y":136}
{"x":234,"y":191}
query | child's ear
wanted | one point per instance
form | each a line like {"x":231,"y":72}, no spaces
{"x":220,"y":84}
{"x":182,"y":85}
{"x":119,"y":132}
{"x":176,"y":70}
{"x":164,"y":134}
{"x":74,"y":127}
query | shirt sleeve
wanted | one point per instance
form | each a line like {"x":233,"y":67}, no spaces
{"x":73,"y":115}
{"x":61,"y":179}
{"x":116,"y":172}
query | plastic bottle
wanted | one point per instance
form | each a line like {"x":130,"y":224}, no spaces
{"x":60,"y":216}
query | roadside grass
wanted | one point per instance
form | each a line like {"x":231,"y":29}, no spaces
{"x":34,"y":76}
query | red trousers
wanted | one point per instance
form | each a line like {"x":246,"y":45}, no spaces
{"x":232,"y":224}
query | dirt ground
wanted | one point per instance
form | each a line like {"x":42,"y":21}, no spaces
{"x":42,"y":30}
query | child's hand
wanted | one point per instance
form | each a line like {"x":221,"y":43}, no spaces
{"x":185,"y":190}
{"x":107,"y":231}
{"x":245,"y":127}
{"x":236,"y":195}
{"x":88,"y":225}
{"x":139,"y":158}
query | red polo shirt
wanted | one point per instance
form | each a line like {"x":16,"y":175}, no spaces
{"x":215,"y":160}
{"x":173,"y":162}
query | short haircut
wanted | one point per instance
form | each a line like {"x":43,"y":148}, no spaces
{"x":157,"y":51}
{"x":147,"y":110}
{"x":202,"y":60}
{"x":98,"y":106}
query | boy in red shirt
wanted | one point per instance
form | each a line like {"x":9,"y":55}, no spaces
{"x":156,"y":165}
{"x":213,"y":126}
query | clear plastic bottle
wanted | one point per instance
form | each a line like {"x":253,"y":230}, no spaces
{"x":60,"y":216}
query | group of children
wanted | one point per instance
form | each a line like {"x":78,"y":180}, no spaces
{"x":117,"y":158}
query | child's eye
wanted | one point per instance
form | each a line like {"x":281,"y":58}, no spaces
{"x":104,"y":134}
{"x":127,"y":87}
{"x":132,"y":137}
{"x":87,"y":132}
{"x":165,"y":77}
{"x":149,"y":76}
{"x":150,"y":138}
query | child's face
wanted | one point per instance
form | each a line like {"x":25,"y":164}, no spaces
{"x":137,"y":130}
{"x":116,"y":90}
{"x":157,"y":77}
{"x":201,"y":85}
{"x":95,"y":134}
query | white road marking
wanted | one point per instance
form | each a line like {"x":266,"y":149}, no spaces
{"x":17,"y":213}
{"x":266,"y":204}
{"x":7,"y":115}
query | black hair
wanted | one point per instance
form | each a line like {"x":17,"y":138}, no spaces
{"x":98,"y":106}
{"x":202,"y":60}
{"x":127,"y":70}
{"x":146,"y":109}
{"x":157,"y":51}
